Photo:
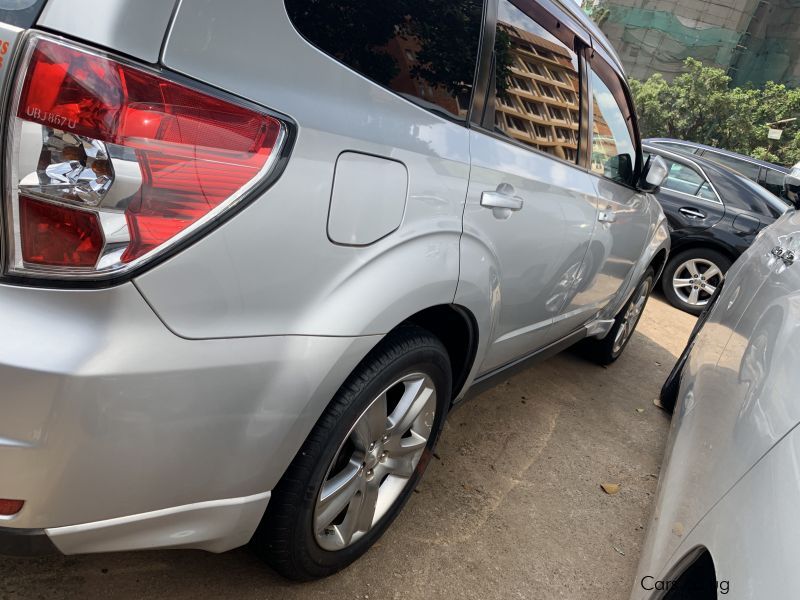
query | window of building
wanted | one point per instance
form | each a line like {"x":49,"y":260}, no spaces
{"x":533,"y":108}
{"x":558,"y":114}
{"x":517,"y":123}
{"x":521,"y":84}
{"x":425,"y":51}
{"x":547,"y":91}
{"x":613,"y":147}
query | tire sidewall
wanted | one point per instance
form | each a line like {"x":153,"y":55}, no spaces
{"x":649,"y":276}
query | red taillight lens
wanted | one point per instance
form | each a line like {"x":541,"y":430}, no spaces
{"x":9,"y":508}
{"x":115,"y":163}
{"x":59,"y":236}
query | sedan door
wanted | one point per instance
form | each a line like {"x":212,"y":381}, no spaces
{"x":690,"y":201}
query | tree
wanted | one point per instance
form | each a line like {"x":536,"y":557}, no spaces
{"x":701,"y":106}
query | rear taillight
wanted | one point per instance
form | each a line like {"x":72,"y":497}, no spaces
{"x":111,"y":165}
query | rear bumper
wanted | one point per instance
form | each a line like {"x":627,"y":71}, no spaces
{"x":120,"y":435}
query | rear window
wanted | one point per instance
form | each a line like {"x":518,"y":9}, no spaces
{"x":754,"y":198}
{"x":748,"y":169}
{"x":20,"y":13}
{"x":680,"y":147}
{"x":424,"y":51}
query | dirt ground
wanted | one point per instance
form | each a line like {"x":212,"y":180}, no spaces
{"x":512,"y":509}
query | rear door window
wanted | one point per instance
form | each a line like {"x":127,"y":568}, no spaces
{"x":683,"y":178}
{"x":537,"y":86}
{"x":424,"y":50}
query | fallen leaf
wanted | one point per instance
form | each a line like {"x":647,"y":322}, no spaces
{"x":610,"y":488}
{"x":657,"y":402}
{"x":640,"y":410}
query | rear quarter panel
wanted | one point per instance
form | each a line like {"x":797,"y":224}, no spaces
{"x":272,"y":270}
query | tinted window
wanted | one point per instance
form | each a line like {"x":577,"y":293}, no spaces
{"x":683,"y":178}
{"x":748,"y":195}
{"x":773,"y":181}
{"x":744,"y":167}
{"x":707,"y":193}
{"x":425,"y":50}
{"x":537,"y":87}
{"x":613,"y":149}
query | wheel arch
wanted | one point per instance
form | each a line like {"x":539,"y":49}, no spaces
{"x":658,"y":262}
{"x":457,"y":328}
{"x":692,"y":244}
{"x":694,"y":576}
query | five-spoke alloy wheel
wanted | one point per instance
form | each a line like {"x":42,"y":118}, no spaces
{"x":375,"y":462}
{"x":692,"y":277}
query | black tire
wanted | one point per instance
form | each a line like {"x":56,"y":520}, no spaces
{"x":605,"y":351}
{"x":722,"y":262}
{"x":285,"y":538}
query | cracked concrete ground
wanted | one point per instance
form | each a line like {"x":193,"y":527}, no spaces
{"x":512,"y":509}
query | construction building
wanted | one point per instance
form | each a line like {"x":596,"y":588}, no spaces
{"x":755,"y":41}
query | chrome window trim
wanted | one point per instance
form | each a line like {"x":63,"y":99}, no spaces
{"x":719,"y":151}
{"x":687,"y":161}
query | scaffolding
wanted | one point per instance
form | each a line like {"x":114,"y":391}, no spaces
{"x":753,"y":40}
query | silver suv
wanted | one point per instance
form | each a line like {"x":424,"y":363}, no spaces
{"x":253,"y":252}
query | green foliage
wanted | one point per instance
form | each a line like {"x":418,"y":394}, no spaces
{"x":701,"y":106}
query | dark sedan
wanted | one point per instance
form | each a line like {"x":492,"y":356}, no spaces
{"x":714,"y":214}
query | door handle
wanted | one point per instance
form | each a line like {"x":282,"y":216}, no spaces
{"x":692,"y":213}
{"x":502,"y":201}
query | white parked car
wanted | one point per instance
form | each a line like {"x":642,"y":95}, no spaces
{"x":726,"y":521}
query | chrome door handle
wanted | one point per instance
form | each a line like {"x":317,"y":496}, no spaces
{"x":692,"y":213}
{"x":501,"y":200}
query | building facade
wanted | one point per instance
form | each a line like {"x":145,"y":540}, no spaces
{"x":755,"y":41}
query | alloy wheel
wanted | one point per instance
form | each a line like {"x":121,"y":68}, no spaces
{"x":696,"y":280}
{"x":375,"y":462}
